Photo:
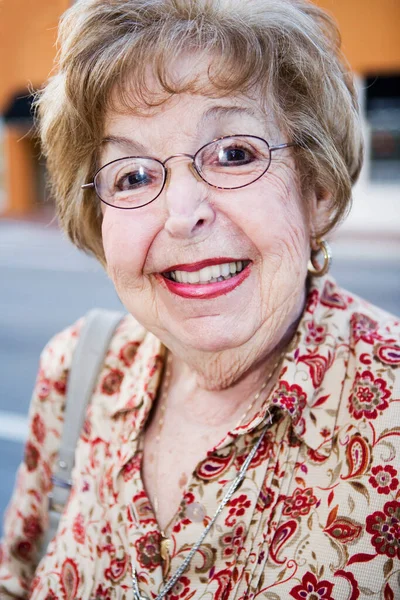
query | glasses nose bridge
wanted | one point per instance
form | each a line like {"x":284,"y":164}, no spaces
{"x":192,"y":166}
{"x":180,"y":155}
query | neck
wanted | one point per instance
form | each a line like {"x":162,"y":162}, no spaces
{"x":219,"y":390}
{"x":224,"y":383}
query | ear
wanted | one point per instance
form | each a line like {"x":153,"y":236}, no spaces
{"x":320,"y":211}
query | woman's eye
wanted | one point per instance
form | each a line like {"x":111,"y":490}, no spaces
{"x":133,"y":180}
{"x":235,"y":156}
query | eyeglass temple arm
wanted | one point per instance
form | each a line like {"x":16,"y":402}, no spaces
{"x":86,"y":186}
{"x":281,"y":146}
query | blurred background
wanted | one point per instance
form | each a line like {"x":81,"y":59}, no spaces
{"x":46,"y":284}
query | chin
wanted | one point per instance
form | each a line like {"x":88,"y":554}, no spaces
{"x":213,"y":338}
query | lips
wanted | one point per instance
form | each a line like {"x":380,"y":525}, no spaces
{"x":205,"y":279}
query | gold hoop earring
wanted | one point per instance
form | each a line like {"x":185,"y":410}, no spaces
{"x":315,"y":269}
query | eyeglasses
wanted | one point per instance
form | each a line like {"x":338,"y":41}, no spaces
{"x":227,"y":163}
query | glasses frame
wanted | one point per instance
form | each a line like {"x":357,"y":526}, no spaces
{"x":196,"y":170}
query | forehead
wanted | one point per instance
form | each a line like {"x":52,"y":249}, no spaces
{"x":189,"y":119}
{"x":196,"y":107}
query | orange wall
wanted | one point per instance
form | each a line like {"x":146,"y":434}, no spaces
{"x":27,"y":37}
{"x":370,"y":33}
{"x":20,"y":174}
{"x":370,"y":30}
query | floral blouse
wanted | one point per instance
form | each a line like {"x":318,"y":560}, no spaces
{"x":317,"y":516}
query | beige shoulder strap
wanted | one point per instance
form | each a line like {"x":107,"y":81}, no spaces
{"x":88,"y":358}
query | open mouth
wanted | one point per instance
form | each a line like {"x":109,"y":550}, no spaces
{"x":209,"y":274}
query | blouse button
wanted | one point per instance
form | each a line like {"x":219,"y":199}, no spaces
{"x":195,"y":512}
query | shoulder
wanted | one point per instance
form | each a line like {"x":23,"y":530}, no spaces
{"x":374,"y":347}
{"x":365,"y":320}
{"x":56,"y":360}
{"x":370,"y":334}
{"x":57,"y":356}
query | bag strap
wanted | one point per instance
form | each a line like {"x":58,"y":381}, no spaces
{"x":87,"y":360}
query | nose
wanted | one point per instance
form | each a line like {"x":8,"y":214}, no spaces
{"x":189,"y":212}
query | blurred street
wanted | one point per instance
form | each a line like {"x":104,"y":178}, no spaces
{"x":47,"y":284}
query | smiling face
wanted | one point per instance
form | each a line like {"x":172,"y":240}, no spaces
{"x":206,"y":269}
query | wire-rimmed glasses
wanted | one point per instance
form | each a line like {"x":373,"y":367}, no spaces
{"x":227,"y":163}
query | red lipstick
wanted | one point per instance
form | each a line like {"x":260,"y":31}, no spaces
{"x":204,"y":291}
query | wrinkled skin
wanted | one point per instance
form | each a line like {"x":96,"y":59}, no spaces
{"x":268,"y":222}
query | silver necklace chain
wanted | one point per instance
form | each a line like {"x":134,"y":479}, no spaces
{"x":232,"y":488}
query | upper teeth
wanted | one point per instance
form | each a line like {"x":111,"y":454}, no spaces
{"x":208,"y":274}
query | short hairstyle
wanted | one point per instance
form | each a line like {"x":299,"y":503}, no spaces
{"x":287,"y":50}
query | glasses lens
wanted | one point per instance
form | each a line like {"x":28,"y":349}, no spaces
{"x":233,"y":162}
{"x":130,"y":182}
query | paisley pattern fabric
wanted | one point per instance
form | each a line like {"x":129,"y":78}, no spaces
{"x":317,"y":516}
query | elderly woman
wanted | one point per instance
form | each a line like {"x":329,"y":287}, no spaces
{"x":242,"y":439}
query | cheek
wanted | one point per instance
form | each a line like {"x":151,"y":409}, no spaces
{"x":125,"y":244}
{"x":278,"y":222}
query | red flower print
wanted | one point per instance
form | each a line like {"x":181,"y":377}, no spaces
{"x":181,"y":524}
{"x":232,"y":542}
{"x":315,"y":457}
{"x":180,"y":589}
{"x":317,"y":365}
{"x":86,"y":430}
{"x":282,"y":535}
{"x":38,"y":428}
{"x":315,"y":334}
{"x":214,"y":466}
{"x":292,"y":398}
{"x":358,"y":456}
{"x":312,"y":301}
{"x":355,"y":591}
{"x":51,"y":595}
{"x":364,"y":328}
{"x":368,"y":397}
{"x":128,"y":352}
{"x":225,"y":584}
{"x":265,"y":498}
{"x":154,"y":365}
{"x":69,"y":579}
{"x":385,"y":529}
{"x":61,"y":384}
{"x":31,"y":457}
{"x":237,"y":508}
{"x":188,"y":498}
{"x":78,"y":530}
{"x":384,"y":479}
{"x":332,"y":296}
{"x":312,"y":589}
{"x":343,"y":529}
{"x":263,"y":452}
{"x":43,"y":387}
{"x":112,"y":382}
{"x":131,"y":467}
{"x":32,"y":527}
{"x":300,"y":503}
{"x":388,"y":354}
{"x":103,"y":593}
{"x":148,"y":550}
{"x":22,"y":550}
{"x":143,"y":508}
{"x":117,"y":569}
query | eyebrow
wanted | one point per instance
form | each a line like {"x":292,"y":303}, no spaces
{"x":216,"y":112}
{"x":212,"y":113}
{"x":125,"y":142}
